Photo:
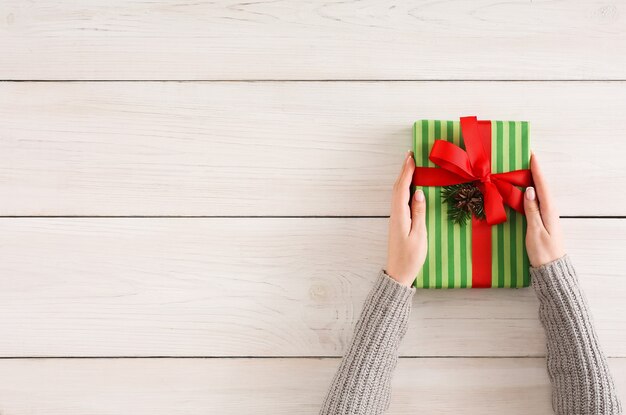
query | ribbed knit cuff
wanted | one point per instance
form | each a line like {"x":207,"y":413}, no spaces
{"x":392,"y":289}
{"x":548,"y":275}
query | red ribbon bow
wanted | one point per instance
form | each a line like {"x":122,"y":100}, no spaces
{"x":474,"y":165}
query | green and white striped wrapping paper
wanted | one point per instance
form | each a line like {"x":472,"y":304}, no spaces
{"x":449,"y":260}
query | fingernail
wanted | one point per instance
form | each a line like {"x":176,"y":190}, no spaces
{"x":419,"y":195}
{"x":530,"y":193}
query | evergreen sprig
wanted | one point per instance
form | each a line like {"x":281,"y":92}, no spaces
{"x":463,"y":200}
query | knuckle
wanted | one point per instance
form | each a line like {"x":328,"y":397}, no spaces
{"x":532,"y":208}
{"x":419,"y":215}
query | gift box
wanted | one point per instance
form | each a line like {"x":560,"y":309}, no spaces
{"x":473,"y":174}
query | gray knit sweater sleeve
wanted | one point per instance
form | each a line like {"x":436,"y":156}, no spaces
{"x":362,"y":385}
{"x":581,"y":380}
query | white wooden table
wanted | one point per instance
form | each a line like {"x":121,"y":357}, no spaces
{"x":194,"y":196}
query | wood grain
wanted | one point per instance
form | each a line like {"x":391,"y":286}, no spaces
{"x":318,"y":39}
{"x":259,"y":287}
{"x":274,"y":386}
{"x":276,"y":148}
{"x":202,"y":292}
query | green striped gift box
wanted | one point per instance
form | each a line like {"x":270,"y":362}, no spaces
{"x":449,"y":260}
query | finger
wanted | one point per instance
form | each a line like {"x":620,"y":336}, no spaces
{"x":543,"y":195}
{"x":406,"y":175}
{"x":402,"y":187}
{"x":531,"y":208}
{"x":539,"y":180}
{"x":418,"y":212}
{"x":408,"y":154}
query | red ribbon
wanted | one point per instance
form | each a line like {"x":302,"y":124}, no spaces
{"x":474,"y":165}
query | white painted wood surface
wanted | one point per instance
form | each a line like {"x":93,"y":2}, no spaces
{"x":259,"y":287}
{"x":280,"y":148}
{"x":99,"y":296}
{"x":329,"y":39}
{"x":269,"y":386}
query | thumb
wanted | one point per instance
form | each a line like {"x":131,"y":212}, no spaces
{"x":531,"y":207}
{"x":418,"y":211}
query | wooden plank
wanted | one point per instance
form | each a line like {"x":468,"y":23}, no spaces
{"x":291,"y":149}
{"x":320,"y":39}
{"x":259,"y":287}
{"x":269,"y":386}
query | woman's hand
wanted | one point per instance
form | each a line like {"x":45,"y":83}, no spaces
{"x":544,"y":242}
{"x":407,"y":228}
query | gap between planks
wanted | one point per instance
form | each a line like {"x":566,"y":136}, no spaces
{"x":237,"y":217}
{"x":318,"y":357}
{"x":306,"y":80}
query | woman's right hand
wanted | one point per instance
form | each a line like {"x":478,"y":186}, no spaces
{"x":544,"y":241}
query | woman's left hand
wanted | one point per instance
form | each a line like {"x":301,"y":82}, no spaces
{"x":407,"y":228}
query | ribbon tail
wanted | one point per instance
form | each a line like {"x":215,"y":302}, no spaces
{"x":494,"y":205}
{"x":511,"y":195}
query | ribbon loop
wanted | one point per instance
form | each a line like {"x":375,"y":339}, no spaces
{"x":452,"y":157}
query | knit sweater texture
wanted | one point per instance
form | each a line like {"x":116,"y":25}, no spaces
{"x":578,"y":370}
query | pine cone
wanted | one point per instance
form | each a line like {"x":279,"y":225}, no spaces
{"x":463,"y":200}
